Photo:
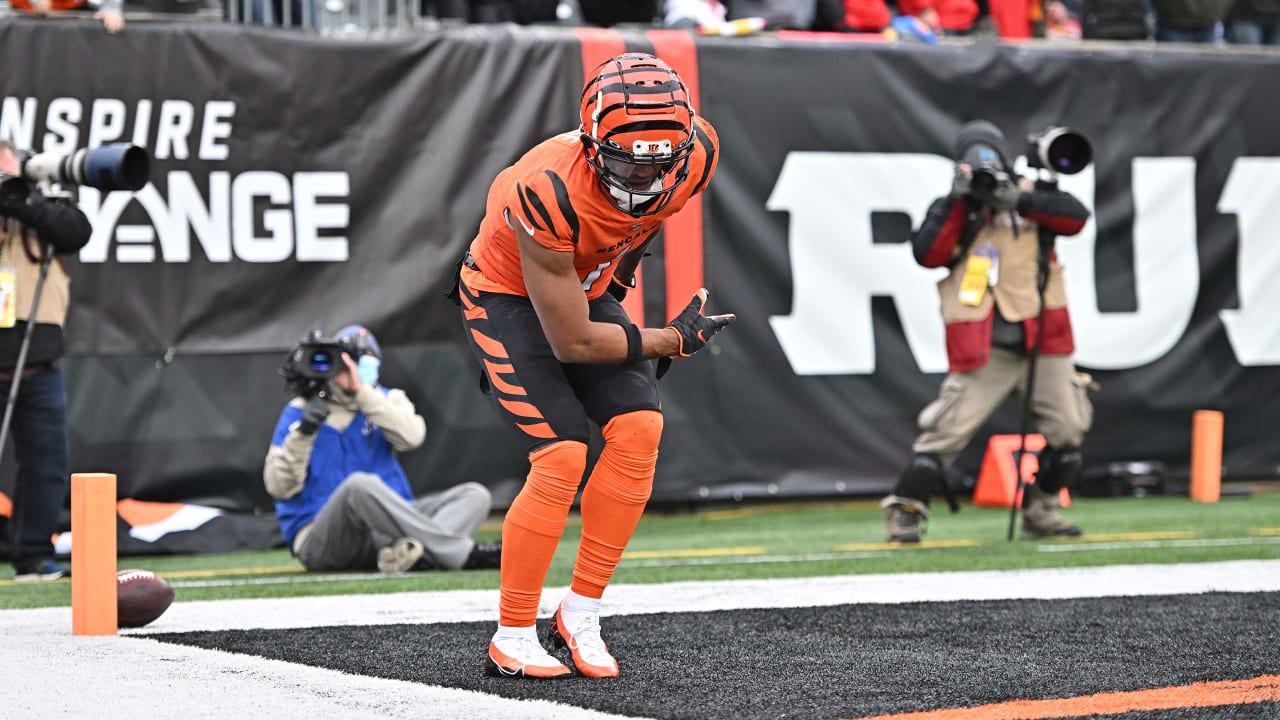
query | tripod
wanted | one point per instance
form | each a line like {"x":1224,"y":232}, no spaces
{"x":1044,"y":251}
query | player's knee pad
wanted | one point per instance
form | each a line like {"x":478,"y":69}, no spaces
{"x":1059,"y":468}
{"x":556,"y":472}
{"x":922,"y":478}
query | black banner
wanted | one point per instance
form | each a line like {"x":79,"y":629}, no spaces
{"x":301,"y":182}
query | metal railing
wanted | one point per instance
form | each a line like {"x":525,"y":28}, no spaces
{"x":340,"y":17}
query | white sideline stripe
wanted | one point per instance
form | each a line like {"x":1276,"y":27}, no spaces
{"x":1069,"y":546}
{"x":1131,"y":544}
{"x":41,"y":657}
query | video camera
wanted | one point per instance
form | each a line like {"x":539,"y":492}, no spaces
{"x":119,"y":166}
{"x":1060,"y":150}
{"x":315,"y":361}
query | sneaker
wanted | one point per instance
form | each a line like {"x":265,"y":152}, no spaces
{"x":904,"y":519}
{"x":484,"y":556}
{"x":400,"y":556}
{"x":580,"y":632}
{"x":522,"y":657}
{"x":46,"y":569}
{"x":1041,"y":518}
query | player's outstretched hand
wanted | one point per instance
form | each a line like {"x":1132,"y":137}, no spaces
{"x":695,"y":329}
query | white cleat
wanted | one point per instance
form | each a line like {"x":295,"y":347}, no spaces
{"x":522,"y":657}
{"x":580,"y":632}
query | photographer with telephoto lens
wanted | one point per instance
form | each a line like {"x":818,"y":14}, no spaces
{"x":342,"y":498}
{"x":37,"y":230}
{"x":1008,"y":331}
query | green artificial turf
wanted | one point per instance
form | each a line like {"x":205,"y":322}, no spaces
{"x":786,"y":540}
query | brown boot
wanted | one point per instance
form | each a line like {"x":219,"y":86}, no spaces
{"x":1041,"y":517}
{"x":904,"y":518}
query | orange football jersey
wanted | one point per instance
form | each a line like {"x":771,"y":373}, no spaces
{"x":554,"y":192}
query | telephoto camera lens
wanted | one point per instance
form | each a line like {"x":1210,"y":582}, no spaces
{"x":1059,"y":149}
{"x":119,"y":166}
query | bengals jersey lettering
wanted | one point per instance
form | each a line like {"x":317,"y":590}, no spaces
{"x":553,"y":193}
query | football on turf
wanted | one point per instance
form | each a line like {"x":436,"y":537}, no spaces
{"x":141,"y":597}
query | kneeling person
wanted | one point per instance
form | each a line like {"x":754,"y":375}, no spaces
{"x":342,"y":498}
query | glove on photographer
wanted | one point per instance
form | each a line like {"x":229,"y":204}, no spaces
{"x":313,"y":415}
{"x":962,"y":183}
{"x":1005,"y":195}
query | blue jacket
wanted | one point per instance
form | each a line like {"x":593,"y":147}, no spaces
{"x":360,"y":448}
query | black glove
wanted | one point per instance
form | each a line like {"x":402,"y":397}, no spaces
{"x":962,"y":182}
{"x":1006,"y":194}
{"x":618,"y":288}
{"x":695,"y":329}
{"x":313,"y":416}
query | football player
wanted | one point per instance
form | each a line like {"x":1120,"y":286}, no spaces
{"x":563,"y":232}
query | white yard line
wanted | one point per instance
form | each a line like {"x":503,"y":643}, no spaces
{"x":51,"y":674}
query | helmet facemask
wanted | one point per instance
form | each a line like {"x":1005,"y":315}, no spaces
{"x":640,"y":183}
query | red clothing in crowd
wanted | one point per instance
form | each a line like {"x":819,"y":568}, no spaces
{"x":866,"y":15}
{"x":954,"y":15}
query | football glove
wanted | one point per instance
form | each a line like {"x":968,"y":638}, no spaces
{"x":695,"y":329}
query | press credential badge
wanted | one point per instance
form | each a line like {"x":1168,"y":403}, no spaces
{"x":8,"y":293}
{"x":979,"y":271}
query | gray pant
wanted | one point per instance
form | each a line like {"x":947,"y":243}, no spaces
{"x":363,"y":515}
{"x":1060,"y":410}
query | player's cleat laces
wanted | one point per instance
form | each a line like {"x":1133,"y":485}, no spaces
{"x":522,"y":657}
{"x":580,"y":632}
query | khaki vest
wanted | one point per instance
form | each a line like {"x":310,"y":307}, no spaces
{"x":56,"y":295}
{"x":1015,"y":291}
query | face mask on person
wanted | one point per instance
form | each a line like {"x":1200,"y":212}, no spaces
{"x":367,"y":368}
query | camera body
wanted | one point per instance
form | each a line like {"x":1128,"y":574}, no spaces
{"x":315,"y":361}
{"x":984,"y":179}
{"x":13,"y":191}
{"x":980,"y":145}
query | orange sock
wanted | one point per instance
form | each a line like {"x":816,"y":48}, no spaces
{"x":614,"y":500}
{"x":533,"y":527}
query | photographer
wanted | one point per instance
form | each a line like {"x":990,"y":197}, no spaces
{"x":31,"y":226}
{"x":342,"y":499}
{"x":994,"y":232}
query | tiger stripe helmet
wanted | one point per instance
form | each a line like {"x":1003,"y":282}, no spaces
{"x":637,"y":131}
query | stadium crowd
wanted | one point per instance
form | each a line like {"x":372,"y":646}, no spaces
{"x":1243,"y":22}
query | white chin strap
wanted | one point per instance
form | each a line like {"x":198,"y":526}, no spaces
{"x":627,"y":198}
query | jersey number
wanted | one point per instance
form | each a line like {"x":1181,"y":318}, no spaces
{"x":594,"y":275}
